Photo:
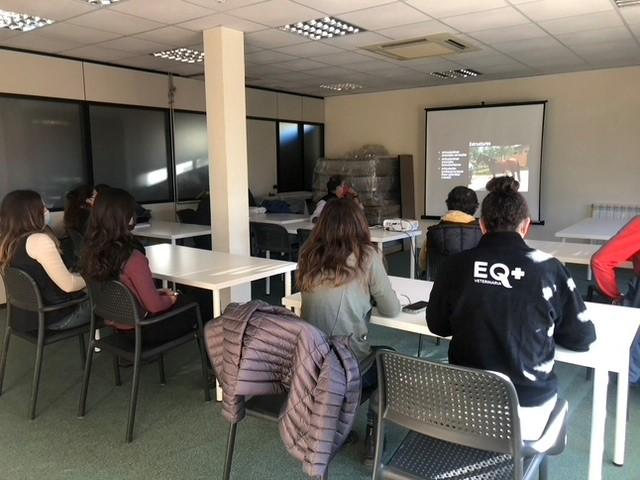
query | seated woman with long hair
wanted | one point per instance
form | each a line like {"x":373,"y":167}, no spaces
{"x":112,"y":253}
{"x":78,"y":208}
{"x":28,"y":244}
{"x":341,"y":277}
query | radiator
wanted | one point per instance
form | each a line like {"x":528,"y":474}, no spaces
{"x":614,"y":210}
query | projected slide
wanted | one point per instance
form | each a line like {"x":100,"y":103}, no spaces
{"x":470,"y":146}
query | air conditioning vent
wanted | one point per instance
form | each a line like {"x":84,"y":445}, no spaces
{"x":421,"y":47}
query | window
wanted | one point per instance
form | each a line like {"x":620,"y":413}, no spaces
{"x":313,"y":146}
{"x":131,"y":151}
{"x":192,"y":159}
{"x":299,"y":147}
{"x":42,"y":147}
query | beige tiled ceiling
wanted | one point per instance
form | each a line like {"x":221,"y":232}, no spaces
{"x":513,"y":37}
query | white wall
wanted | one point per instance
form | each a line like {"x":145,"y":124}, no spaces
{"x":591,"y":139}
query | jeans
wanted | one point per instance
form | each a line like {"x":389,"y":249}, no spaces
{"x":634,"y":361}
{"x":80,"y":316}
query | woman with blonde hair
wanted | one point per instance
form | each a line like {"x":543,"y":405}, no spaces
{"x":28,"y":244}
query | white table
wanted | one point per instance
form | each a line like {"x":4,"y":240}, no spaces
{"x":279,"y":218}
{"x":379,"y":236}
{"x":609,"y":353}
{"x":170,"y":230}
{"x":590,"y":228}
{"x":578,"y":253}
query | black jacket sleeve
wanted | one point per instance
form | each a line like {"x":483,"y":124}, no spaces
{"x":439,"y":307}
{"x":573,"y":329}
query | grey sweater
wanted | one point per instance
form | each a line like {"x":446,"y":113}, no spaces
{"x":345,"y":310}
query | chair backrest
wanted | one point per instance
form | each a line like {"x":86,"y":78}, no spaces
{"x":303,"y":236}
{"x":469,"y":407}
{"x":113,"y":301}
{"x":21,"y":290}
{"x":272,"y":237}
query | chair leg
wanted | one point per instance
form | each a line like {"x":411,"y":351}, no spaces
{"x":83,"y":350}
{"x":267,"y":281}
{"x":134,"y":391}
{"x":205,"y":366}
{"x":3,"y":356}
{"x":82,"y":405}
{"x":419,"y":345}
{"x":543,"y":469}
{"x":116,"y":371}
{"x":231,"y":441}
{"x":36,"y":375}
{"x":163,"y":378}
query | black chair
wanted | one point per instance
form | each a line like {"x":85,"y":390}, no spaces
{"x":112,"y":300}
{"x":200,"y":216}
{"x":462,"y":422}
{"x":303,"y":236}
{"x":272,"y":241}
{"x":23,"y":293}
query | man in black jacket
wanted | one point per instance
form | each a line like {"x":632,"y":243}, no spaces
{"x":506,"y":305}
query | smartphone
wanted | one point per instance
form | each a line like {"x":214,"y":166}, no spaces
{"x":415,"y":307}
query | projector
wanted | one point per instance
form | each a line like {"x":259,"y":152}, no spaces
{"x":400,"y":225}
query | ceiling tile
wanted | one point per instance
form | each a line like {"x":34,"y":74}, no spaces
{"x":603,"y":50}
{"x":5,"y":33}
{"x":351,"y":42}
{"x":370,"y":66}
{"x":224,"y":6}
{"x":268,"y":56}
{"x":497,"y":18}
{"x":310,"y":49}
{"x":334,"y":7}
{"x":540,"y":58}
{"x":76,"y":33}
{"x":631,"y":14}
{"x":507,"y":67}
{"x":543,"y":43}
{"x":508,"y":34}
{"x":434,"y":64}
{"x":277,"y":13}
{"x":266,"y":69}
{"x":40,"y":43}
{"x":273,"y":39}
{"x":385,"y":16}
{"x":112,"y":21}
{"x":166,"y":11}
{"x":418,"y":29}
{"x":549,"y":9}
{"x":578,"y":23}
{"x":330,"y":72}
{"x":344,"y":58}
{"x":55,"y":10}
{"x":294,"y":76}
{"x":218,"y":19}
{"x":587,"y":37}
{"x":134,"y":45}
{"x":440,"y":8}
{"x":94,"y":52}
{"x":148,"y":62}
{"x":175,"y":36}
{"x":301,"y":64}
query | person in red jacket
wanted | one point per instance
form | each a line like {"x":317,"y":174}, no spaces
{"x":622,"y":247}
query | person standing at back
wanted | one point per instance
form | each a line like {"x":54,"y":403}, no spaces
{"x":458,"y":230}
{"x":507,"y":305}
{"x":341,"y":277}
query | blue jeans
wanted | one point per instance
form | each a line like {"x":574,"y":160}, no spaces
{"x":634,"y":361}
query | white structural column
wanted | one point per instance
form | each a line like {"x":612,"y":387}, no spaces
{"x":227,"y":137}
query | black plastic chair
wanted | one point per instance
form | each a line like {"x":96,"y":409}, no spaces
{"x":112,"y":300}
{"x":303,"y":236}
{"x":463,"y":423}
{"x":23,"y":293}
{"x":272,"y":241}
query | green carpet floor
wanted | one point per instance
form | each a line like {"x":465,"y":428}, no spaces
{"x":179,"y":436}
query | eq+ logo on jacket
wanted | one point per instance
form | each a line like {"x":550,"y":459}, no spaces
{"x":495,"y":274}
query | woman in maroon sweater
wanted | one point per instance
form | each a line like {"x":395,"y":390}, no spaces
{"x":112,"y":252}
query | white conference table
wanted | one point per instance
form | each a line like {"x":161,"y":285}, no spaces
{"x":577,"y":253}
{"x":594,"y":229}
{"x":379,"y":236}
{"x":170,"y":230}
{"x":279,"y":218}
{"x":609,"y":353}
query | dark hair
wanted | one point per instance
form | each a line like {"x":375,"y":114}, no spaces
{"x":108,"y":241}
{"x":21,"y":214}
{"x":101,"y":187}
{"x":333,"y":183}
{"x":463,"y":199}
{"x":76,"y":209}
{"x":341,"y":230}
{"x":504,"y":208}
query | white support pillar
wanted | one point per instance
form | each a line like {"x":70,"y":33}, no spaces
{"x":227,"y":137}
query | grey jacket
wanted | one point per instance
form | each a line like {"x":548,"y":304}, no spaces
{"x":259,"y":349}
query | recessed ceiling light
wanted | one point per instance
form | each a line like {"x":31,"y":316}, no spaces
{"x":185,"y":55}
{"x":459,"y":73}
{"x":326,"y":27}
{"x":627,"y":3}
{"x":102,"y":2}
{"x":341,"y":87}
{"x":22,"y":21}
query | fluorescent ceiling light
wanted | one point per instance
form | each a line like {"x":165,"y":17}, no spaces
{"x":185,"y":55}
{"x":326,"y":27}
{"x":102,"y":2}
{"x":627,"y":3}
{"x":22,"y":21}
{"x":459,"y":73}
{"x":341,"y":87}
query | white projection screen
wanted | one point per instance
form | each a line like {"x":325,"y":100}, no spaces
{"x":470,"y":145}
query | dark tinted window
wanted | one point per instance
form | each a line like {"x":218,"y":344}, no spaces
{"x":192,"y":161}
